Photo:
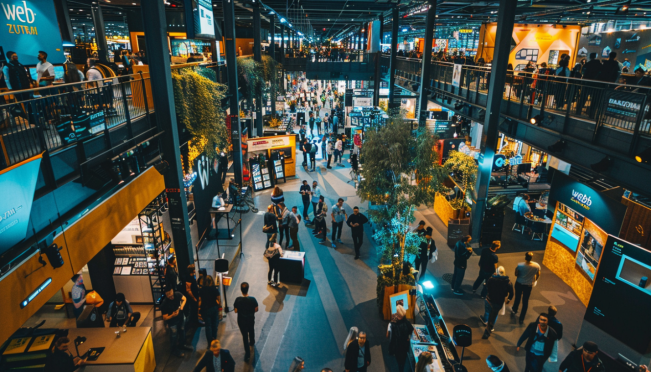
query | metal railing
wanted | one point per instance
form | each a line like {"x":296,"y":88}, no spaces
{"x":54,"y":117}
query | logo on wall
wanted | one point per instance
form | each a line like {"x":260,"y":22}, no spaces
{"x":582,"y":52}
{"x":595,"y":40}
{"x":618,"y":42}
{"x":581,"y":199}
{"x":628,"y":51}
{"x":203,"y":166}
{"x":635,"y":37}
{"x":499,"y":161}
{"x":606,"y":52}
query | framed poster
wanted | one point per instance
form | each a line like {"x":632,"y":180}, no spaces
{"x":456,"y":75}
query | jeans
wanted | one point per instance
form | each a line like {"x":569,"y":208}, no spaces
{"x":324,"y":151}
{"x":305,"y":156}
{"x":284,"y":232}
{"x":491,"y":311}
{"x":358,"y":240}
{"x":523,"y":291}
{"x":314,"y":209}
{"x":268,"y":242}
{"x":534,"y":363}
{"x":306,"y":208}
{"x":211,"y":318}
{"x":336,"y":230}
{"x":248,"y":336}
{"x":421,"y":266}
{"x":457,"y":278}
{"x":176,"y":331}
{"x":480,"y":279}
{"x":337,"y":156}
{"x":294,"y":234}
{"x":273,"y":268}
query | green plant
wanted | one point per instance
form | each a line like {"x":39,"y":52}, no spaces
{"x":464,"y":170}
{"x":198,"y":108}
{"x":400,"y":173}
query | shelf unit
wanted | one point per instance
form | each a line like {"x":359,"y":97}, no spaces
{"x":156,"y":244}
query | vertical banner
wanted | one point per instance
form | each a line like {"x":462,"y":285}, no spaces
{"x":456,"y":75}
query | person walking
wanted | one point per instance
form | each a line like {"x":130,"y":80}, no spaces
{"x":498,"y":286}
{"x":284,"y":223}
{"x":273,"y":254}
{"x":487,"y":265}
{"x":557,"y":326}
{"x":356,"y":222}
{"x":245,"y":307}
{"x":306,"y":147}
{"x":313,"y":150}
{"x":320,"y":227}
{"x":119,"y":311}
{"x":338,"y":215}
{"x":209,"y":305}
{"x":462,"y":252}
{"x":358,"y":354}
{"x":316,"y":194}
{"x":583,"y":359}
{"x":216,"y":359}
{"x":294,"y":223}
{"x":270,"y":224}
{"x":305,"y":191}
{"x":540,"y":339}
{"x":339,"y":150}
{"x":425,"y":252}
{"x":311,"y":121}
{"x":527,"y":274}
{"x":399,"y":335}
{"x":172,"y":310}
{"x":496,"y":364}
{"x":331,"y":150}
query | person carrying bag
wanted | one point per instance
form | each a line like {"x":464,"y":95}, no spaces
{"x":273,"y":254}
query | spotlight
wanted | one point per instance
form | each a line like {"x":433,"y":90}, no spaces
{"x":537,"y":120}
{"x":557,"y":147}
{"x":644,"y":156}
{"x":602,"y":165}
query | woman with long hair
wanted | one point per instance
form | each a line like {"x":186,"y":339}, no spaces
{"x":352,"y":336}
{"x":209,"y":303}
{"x":425,"y":362}
{"x":273,"y":254}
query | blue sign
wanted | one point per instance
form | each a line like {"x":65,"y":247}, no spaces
{"x":30,"y":26}
{"x":605,"y":212}
{"x":18,"y":185}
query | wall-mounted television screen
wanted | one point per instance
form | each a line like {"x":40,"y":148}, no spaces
{"x":200,"y":21}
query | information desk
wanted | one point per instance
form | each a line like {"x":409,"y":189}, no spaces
{"x":133,"y":351}
{"x":292,"y":267}
{"x":216,"y":215}
{"x":433,"y":336}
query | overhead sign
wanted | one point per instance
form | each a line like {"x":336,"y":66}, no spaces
{"x":622,"y":106}
{"x":607,"y":213}
{"x":465,"y":31}
{"x":266,"y":144}
{"x":28,"y":27}
{"x":18,"y":184}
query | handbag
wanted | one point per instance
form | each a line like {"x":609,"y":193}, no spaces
{"x":435,"y":256}
{"x":267,"y":228}
{"x":271,"y":252}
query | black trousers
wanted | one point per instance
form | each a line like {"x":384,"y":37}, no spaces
{"x":522,"y":291}
{"x":336,"y":230}
{"x":358,"y":240}
{"x":402,"y":360}
{"x":248,"y":336}
{"x":306,"y":207}
{"x":273,"y":268}
{"x":329,"y":159}
{"x":421,"y":266}
{"x":284,"y":232}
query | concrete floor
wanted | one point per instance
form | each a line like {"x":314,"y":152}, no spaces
{"x":311,"y":320}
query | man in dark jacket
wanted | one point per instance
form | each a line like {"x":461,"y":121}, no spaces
{"x":592,"y":68}
{"x":425,"y":252}
{"x":591,"y":71}
{"x":358,"y":355}
{"x":610,"y":69}
{"x":356,"y":222}
{"x":498,"y":287}
{"x":540,"y":343}
{"x":462,"y":252}
{"x":16,"y":76}
{"x":487,"y":265}
{"x":556,"y":324}
{"x":583,"y":359}
{"x":223,"y":356}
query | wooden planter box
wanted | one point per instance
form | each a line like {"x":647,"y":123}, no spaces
{"x":386,"y":308}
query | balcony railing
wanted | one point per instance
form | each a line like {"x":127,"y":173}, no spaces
{"x":52,"y":118}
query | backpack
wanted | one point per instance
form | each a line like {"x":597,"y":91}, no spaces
{"x":71,"y":73}
{"x":271,"y":252}
{"x":313,"y":149}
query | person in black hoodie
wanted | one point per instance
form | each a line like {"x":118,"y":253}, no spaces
{"x":499,"y":286}
{"x":358,"y":349}
{"x":583,"y":359}
{"x":462,"y":252}
{"x":270,"y":226}
{"x":540,"y":343}
{"x":610,"y":69}
{"x":356,"y":222}
{"x":425,"y":252}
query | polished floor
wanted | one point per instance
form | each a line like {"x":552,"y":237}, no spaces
{"x":312,"y":320}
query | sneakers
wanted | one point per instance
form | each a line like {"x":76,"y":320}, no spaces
{"x":334,"y":245}
{"x":458,"y":293}
{"x":322,"y":241}
{"x":482,"y":319}
{"x":271,"y":283}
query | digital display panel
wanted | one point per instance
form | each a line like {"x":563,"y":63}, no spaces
{"x":202,"y":25}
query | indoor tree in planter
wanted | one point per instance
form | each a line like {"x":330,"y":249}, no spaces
{"x":463,"y":169}
{"x":400,"y":173}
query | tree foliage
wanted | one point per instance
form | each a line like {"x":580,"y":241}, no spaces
{"x":198,"y":108}
{"x":463,"y":169}
{"x":257,"y":78}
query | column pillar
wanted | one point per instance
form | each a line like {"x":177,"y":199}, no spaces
{"x":282,"y":43}
{"x":375,"y":48}
{"x":100,"y":33}
{"x":231,"y":64}
{"x":272,"y":50}
{"x":488,"y":144}
{"x":257,"y":56}
{"x":426,"y":62}
{"x":163,"y":95}
{"x":393,"y":60}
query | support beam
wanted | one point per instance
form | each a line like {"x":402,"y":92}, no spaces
{"x":272,"y":50}
{"x":163,"y":96}
{"x":426,"y":63}
{"x":231,"y":64}
{"x":100,"y":33}
{"x":393,"y":59}
{"x":282,"y":43}
{"x":505,"y":19}
{"x":257,"y":56}
{"x":378,"y":72}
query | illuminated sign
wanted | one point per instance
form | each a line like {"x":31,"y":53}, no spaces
{"x":28,"y":27}
{"x":36,"y":292}
{"x":20,"y":183}
{"x":465,"y":31}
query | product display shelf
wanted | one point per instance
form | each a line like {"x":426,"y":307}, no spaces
{"x":433,"y":336}
{"x":156,"y":246}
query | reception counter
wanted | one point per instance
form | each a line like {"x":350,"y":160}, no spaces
{"x":133,"y":351}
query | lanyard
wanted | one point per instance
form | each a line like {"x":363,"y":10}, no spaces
{"x":583,"y":363}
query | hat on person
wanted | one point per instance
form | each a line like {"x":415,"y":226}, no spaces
{"x":590,"y":346}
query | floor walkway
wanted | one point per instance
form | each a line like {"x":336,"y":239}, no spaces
{"x":311,"y":320}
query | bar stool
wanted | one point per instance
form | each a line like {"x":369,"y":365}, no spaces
{"x":519,"y":221}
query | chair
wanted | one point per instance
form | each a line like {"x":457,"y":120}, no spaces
{"x":538,"y":229}
{"x":519,"y":221}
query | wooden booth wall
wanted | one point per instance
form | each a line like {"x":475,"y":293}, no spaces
{"x":636,"y":227}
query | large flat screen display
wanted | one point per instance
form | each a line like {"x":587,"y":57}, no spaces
{"x":202,"y":24}
{"x":621,"y":297}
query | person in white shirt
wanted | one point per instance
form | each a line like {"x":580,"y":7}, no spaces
{"x":41,"y":67}
{"x":339,"y":146}
{"x":93,"y":73}
{"x":316,"y":192}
